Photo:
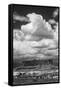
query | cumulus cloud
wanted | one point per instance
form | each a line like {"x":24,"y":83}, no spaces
{"x":55,"y":13}
{"x":51,"y":52}
{"x":38,"y":27}
{"x":56,"y":33}
{"x":36,"y":39}
{"x":20,"y":18}
{"x":52,"y":21}
{"x":18,"y":35}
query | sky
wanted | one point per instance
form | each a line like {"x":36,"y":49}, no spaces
{"x":34,"y":37}
{"x":23,"y":10}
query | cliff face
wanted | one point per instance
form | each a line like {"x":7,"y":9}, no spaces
{"x":35,"y":63}
{"x":43,"y":71}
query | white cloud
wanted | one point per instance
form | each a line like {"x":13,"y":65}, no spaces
{"x":24,"y":47}
{"x":52,"y":21}
{"x":20,"y":18}
{"x":37,"y":27}
{"x":55,"y":13}
{"x":56,"y":32}
{"x":51,"y":52}
{"x":36,"y":39}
